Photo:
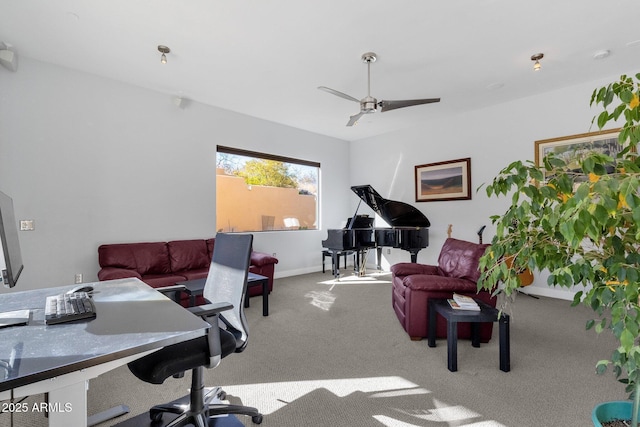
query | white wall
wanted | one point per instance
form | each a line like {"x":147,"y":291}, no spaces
{"x":95,"y":161}
{"x":492,"y":138}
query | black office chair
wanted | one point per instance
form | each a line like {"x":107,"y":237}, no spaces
{"x":226,"y":283}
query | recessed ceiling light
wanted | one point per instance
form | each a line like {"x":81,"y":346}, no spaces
{"x":601,"y":54}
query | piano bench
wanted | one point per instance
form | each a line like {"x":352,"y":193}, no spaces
{"x":328,"y":253}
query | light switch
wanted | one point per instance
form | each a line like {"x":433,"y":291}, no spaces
{"x":27,"y":225}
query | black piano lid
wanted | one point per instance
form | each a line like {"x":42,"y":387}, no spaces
{"x":396,"y":214}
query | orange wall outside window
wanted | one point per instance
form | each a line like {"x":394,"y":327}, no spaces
{"x":241,"y":207}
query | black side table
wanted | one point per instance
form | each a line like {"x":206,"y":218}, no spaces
{"x":194,"y":288}
{"x":452,"y":316}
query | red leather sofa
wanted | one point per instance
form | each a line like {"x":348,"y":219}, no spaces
{"x":165,"y":263}
{"x":457,"y":271}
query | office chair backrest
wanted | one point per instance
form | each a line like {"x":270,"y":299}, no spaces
{"x":227,"y":281}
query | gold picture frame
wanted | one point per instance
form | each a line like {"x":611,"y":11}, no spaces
{"x":573,"y":147}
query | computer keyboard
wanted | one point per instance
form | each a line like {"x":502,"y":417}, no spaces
{"x":68,"y":307}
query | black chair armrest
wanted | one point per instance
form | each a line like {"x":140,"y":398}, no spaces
{"x":208,"y":310}
{"x":211,"y":313}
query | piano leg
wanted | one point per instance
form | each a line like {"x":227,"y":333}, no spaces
{"x":356,"y":260}
{"x":335,"y":261}
{"x":414,"y":256}
{"x":379,"y":257}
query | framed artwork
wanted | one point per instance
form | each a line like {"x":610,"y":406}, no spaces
{"x":450,"y":180}
{"x":573,"y":148}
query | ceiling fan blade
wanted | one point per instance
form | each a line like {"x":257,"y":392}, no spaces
{"x":354,"y":119}
{"x":337,"y":93}
{"x":392,"y":105}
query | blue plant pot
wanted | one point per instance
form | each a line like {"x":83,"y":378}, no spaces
{"x":609,"y":411}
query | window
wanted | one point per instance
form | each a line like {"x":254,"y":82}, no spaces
{"x":264,"y":192}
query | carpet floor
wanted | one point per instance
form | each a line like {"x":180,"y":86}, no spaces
{"x":332,"y":353}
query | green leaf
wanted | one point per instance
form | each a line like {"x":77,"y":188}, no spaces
{"x":600,"y":214}
{"x":626,"y":96}
{"x":608,"y":97}
{"x":577,"y":299}
{"x":627,"y":339}
{"x":601,"y":366}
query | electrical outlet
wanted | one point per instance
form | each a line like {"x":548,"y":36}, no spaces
{"x":78,"y":278}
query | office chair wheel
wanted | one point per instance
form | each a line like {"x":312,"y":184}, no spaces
{"x":257,"y":419}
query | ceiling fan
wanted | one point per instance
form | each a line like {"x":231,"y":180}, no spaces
{"x":369,"y":104}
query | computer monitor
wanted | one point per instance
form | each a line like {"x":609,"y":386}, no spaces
{"x":10,"y":256}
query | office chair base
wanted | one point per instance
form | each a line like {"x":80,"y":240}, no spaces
{"x":199,"y":418}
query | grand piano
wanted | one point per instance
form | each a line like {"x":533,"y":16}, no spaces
{"x":409,"y":229}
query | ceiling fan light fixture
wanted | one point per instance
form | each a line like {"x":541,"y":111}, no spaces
{"x":537,"y":57}
{"x":369,"y":57}
{"x":369,"y":104}
{"x":164,"y":50}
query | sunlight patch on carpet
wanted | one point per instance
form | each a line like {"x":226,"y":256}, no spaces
{"x":271,"y":397}
{"x":321,"y":299}
{"x":358,"y":280}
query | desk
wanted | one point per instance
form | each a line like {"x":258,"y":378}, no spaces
{"x":132,"y":320}
{"x":195,"y":287}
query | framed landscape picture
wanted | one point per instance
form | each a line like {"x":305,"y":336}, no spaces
{"x":573,"y":148}
{"x":450,"y":180}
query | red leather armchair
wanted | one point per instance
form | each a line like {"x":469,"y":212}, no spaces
{"x":457,"y":271}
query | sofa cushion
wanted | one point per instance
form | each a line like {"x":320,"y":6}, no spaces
{"x":408,"y":268}
{"x":118,"y":256}
{"x":112,"y":273}
{"x":188,"y":255}
{"x":145,"y":258}
{"x":259,"y":259}
{"x":459,"y":258}
{"x":152,"y":258}
{"x":423,"y":282}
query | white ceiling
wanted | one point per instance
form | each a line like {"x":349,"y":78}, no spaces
{"x":266,"y":58}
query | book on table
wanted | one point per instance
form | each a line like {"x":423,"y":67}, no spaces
{"x":455,"y":306}
{"x":464,"y":302}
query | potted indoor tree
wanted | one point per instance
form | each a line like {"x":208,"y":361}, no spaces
{"x":583,"y":226}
